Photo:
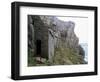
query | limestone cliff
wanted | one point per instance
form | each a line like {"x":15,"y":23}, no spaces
{"x":59,"y":43}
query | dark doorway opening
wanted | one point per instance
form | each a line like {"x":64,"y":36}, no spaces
{"x":38,"y":46}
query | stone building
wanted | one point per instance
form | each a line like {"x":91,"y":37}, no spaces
{"x":42,"y":38}
{"x":46,"y":32}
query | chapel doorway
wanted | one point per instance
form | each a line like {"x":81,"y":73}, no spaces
{"x":38,"y":48}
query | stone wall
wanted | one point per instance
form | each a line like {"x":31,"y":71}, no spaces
{"x":51,"y":45}
{"x":30,"y":35}
{"x":52,"y":32}
{"x":40,"y":33}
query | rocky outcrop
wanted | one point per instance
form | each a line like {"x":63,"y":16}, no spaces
{"x":61,"y":31}
{"x":30,"y":35}
{"x":52,"y":33}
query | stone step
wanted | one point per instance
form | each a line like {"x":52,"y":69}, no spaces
{"x":40,"y":59}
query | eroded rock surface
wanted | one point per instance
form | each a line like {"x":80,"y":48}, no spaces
{"x":52,"y":34}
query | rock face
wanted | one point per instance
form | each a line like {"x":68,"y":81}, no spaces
{"x":30,"y":34}
{"x":45,"y":33}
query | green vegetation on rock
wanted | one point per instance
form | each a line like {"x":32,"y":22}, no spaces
{"x":67,"y":56}
{"x":56,"y":40}
{"x":62,"y":56}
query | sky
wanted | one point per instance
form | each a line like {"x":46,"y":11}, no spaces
{"x":81,"y":27}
